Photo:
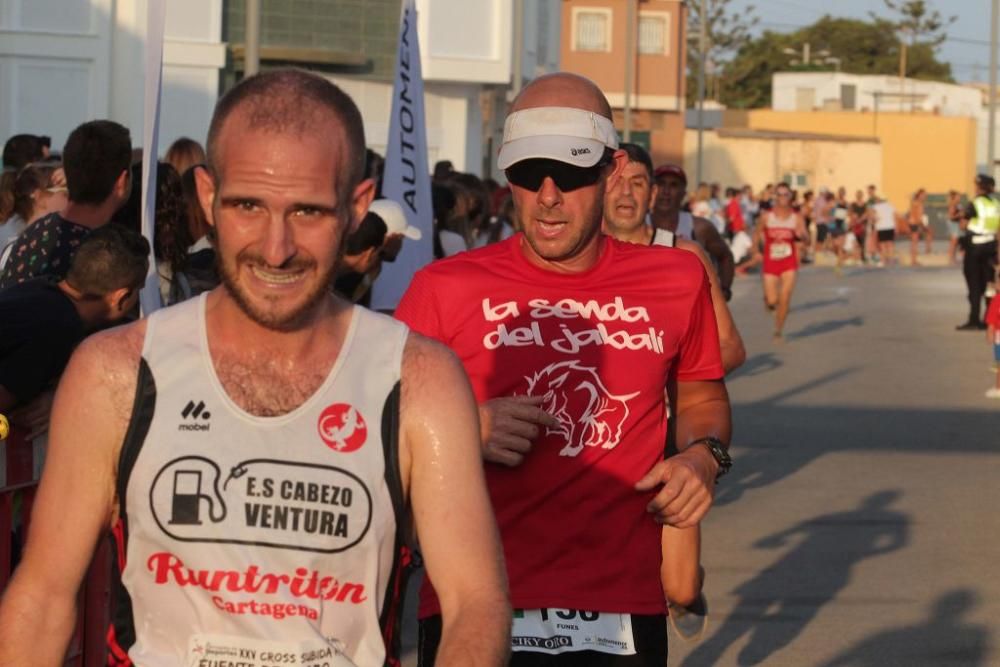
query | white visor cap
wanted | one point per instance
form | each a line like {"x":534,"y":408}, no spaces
{"x":570,"y":135}
{"x":394,"y":218}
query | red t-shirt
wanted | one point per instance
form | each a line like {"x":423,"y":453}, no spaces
{"x":993,"y":318}
{"x":599,"y":346}
{"x":735,"y":215}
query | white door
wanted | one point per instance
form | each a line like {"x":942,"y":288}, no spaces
{"x":54,"y":65}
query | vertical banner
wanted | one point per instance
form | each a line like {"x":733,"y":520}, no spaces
{"x":156,"y":14}
{"x":407,"y":178}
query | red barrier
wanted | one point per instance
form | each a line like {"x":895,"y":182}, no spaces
{"x":18,"y":486}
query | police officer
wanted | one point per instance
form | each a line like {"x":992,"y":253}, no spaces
{"x":981,"y":222}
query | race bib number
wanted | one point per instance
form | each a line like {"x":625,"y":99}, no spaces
{"x":780,"y":250}
{"x":567,"y":630}
{"x":229,"y":651}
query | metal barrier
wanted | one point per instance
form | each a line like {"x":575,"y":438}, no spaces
{"x":18,"y":485}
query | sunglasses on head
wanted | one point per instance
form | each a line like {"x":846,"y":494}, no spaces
{"x":530,"y":174}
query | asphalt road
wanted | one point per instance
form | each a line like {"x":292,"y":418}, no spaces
{"x":859,"y":524}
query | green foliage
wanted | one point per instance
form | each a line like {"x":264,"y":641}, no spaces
{"x":861,"y":46}
{"x":727,"y":32}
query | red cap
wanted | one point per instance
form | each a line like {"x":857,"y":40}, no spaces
{"x":670,"y":170}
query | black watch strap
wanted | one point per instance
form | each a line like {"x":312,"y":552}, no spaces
{"x":718,"y":450}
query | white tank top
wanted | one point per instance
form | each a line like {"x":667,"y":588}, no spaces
{"x":260,"y":540}
{"x":664,"y":237}
{"x":685,"y":226}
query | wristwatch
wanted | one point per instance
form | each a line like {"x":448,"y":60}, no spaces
{"x":718,"y":450}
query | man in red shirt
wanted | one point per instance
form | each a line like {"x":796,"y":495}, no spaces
{"x":569,"y":338}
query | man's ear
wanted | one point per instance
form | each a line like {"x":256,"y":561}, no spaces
{"x":204,"y":183}
{"x":361,"y":199}
{"x":653,"y":191}
{"x":115,"y":302}
{"x":122,"y":184}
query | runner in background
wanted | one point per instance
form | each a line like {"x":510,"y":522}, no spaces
{"x":781,"y":232}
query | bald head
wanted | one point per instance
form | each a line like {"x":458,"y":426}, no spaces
{"x":563,"y":89}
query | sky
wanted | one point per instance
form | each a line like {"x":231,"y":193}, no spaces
{"x":967,"y":48}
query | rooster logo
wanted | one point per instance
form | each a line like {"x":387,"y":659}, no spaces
{"x":589,"y":415}
{"x":342,"y":428}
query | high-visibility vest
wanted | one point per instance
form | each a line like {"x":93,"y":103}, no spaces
{"x":987,"y":220}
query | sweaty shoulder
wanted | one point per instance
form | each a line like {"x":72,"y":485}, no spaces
{"x":107,"y":364}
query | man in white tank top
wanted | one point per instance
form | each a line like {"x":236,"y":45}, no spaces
{"x":671,"y":182}
{"x":256,"y":451}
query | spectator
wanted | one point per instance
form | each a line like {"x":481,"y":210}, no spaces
{"x":184,"y":154}
{"x":171,"y":236}
{"x":362,"y":248}
{"x":993,"y":337}
{"x":443,"y":170}
{"x":41,"y":321}
{"x":96,"y":162}
{"x":954,"y":224}
{"x":39,"y":189}
{"x":917,"y":220}
{"x":885,"y":229}
{"x":19,"y":151}
{"x":199,"y":271}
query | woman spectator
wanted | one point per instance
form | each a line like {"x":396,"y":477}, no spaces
{"x":184,"y":154}
{"x":171,"y":235}
{"x":38,"y":189}
{"x":19,"y":151}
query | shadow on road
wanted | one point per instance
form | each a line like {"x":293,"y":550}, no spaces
{"x":943,"y":639}
{"x":777,"y":604}
{"x":821,"y":303}
{"x":757,"y":365}
{"x":826,"y":327}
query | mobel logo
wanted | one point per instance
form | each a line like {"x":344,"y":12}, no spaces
{"x":191,"y":413}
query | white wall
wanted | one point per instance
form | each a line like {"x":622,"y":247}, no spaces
{"x":63,"y":62}
{"x":947,"y":99}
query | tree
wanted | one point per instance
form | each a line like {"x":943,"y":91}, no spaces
{"x":916,"y":25}
{"x":917,"y":22}
{"x":727,"y":32}
{"x":860,"y":46}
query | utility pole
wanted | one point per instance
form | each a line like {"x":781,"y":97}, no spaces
{"x":991,"y":125}
{"x":629,"y":67}
{"x":517,"y":61}
{"x":251,"y":48}
{"x":703,"y":52}
{"x":902,"y":69}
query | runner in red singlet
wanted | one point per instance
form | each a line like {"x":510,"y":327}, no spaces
{"x":781,"y":231}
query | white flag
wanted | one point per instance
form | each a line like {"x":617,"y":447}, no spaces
{"x":149,"y":297}
{"x":407,"y":179}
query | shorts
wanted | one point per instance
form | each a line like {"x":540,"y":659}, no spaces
{"x":996,"y":352}
{"x":821,"y":230}
{"x":915,"y":229}
{"x":886,"y":235}
{"x":838,"y":230}
{"x":649,"y":632}
{"x":953,"y":229}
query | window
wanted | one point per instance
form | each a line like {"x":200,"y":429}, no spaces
{"x":591,"y":29}
{"x":848,"y":96}
{"x":654,"y":31}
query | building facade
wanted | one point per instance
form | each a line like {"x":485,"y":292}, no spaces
{"x":641,"y":62}
{"x":64,"y":62}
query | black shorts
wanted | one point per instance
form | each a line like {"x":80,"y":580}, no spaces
{"x":649,"y":632}
{"x":886,"y":235}
{"x":821,"y":231}
{"x":838,"y":230}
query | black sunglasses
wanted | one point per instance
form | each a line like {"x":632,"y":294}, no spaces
{"x":530,"y":174}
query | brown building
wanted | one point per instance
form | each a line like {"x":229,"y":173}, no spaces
{"x":595,"y":44}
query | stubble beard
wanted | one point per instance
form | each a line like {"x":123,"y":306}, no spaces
{"x":294,"y":320}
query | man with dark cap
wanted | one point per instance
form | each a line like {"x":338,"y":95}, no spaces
{"x":981,"y":223}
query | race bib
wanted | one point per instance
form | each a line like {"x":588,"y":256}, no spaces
{"x":230,"y":651}
{"x":567,"y":630}
{"x":780,"y":250}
